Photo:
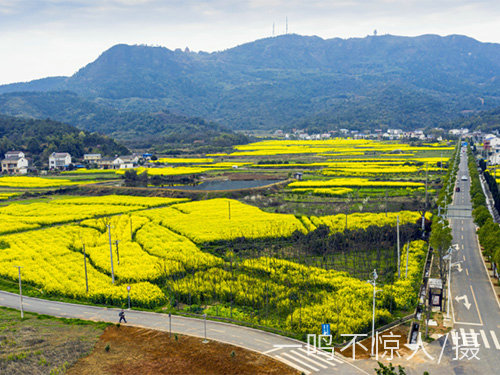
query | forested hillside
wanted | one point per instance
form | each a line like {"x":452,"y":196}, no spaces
{"x":286,"y":81}
{"x":139,"y":130}
{"x":39,"y":138}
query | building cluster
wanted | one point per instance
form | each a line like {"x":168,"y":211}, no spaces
{"x":16,"y":162}
{"x":491,"y":146}
{"x":379,"y":134}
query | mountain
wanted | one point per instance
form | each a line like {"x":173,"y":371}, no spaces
{"x":296,"y":81}
{"x":138,"y":130}
{"x":486,"y":121}
{"x":42,"y":137}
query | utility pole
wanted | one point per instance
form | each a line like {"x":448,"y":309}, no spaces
{"x":407,"y":255}
{"x":426,"y":182}
{"x":111,"y":254}
{"x":20,"y":292}
{"x":131,"y":230}
{"x":170,"y":325}
{"x":128,"y":295}
{"x":386,"y":194}
{"x":85,"y":266}
{"x":399,"y":255}
{"x":205,"y":325}
{"x":374,"y":283}
{"x":117,"y":253}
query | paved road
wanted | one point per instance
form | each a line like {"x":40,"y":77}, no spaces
{"x":287,"y":350}
{"x":475,"y":308}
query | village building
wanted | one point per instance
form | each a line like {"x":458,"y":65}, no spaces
{"x":59,"y":160}
{"x":15,"y":162}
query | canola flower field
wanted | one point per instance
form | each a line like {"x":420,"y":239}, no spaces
{"x":167,"y":249}
{"x":341,"y":158}
{"x":157,"y":247}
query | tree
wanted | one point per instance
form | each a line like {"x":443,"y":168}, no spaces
{"x":440,"y":241}
{"x":389,"y":370}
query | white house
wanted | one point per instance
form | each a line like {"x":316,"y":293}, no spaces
{"x":93,"y":158}
{"x":126,"y":162}
{"x":15,"y":162}
{"x":59,"y":160}
{"x":461,"y":131}
{"x":492,"y":144}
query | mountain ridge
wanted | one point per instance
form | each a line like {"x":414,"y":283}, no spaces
{"x":293,"y":81}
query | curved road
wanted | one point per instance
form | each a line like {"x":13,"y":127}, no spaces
{"x":284,"y":349}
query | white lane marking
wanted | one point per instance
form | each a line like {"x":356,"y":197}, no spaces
{"x":299,"y":361}
{"x":462,"y":236}
{"x":463,"y":247}
{"x":463,"y":257}
{"x":216,"y":330}
{"x":307,"y":358}
{"x":462,"y":332}
{"x":467,"y":271}
{"x":271,"y":350}
{"x":495,"y":340}
{"x":469,"y":324}
{"x":485,"y":339}
{"x":317,"y":357}
{"x":262,"y":341}
{"x":462,"y":229}
{"x":291,"y":364}
{"x":475,"y":302}
{"x":288,"y":346}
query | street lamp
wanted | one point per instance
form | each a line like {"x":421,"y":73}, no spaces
{"x":373,"y":282}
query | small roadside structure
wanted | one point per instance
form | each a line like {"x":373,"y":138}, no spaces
{"x":15,"y":162}
{"x":59,"y":160}
{"x":435,"y":287}
{"x":297,"y":176}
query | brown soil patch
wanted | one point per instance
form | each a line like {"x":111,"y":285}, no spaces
{"x":143,"y":351}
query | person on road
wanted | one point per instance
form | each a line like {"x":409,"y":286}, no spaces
{"x":121,"y":314}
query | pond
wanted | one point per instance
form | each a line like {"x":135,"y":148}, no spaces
{"x":228,"y":185}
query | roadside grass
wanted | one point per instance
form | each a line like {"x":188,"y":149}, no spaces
{"x":40,"y":344}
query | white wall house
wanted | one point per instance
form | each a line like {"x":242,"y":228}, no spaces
{"x":92,"y":157}
{"x":59,"y":160}
{"x":126,"y":162}
{"x":493,"y":145}
{"x":15,"y":162}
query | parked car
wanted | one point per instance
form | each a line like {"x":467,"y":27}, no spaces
{"x":457,"y":189}
{"x":464,"y":178}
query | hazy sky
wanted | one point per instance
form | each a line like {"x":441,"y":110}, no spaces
{"x":40,"y":38}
